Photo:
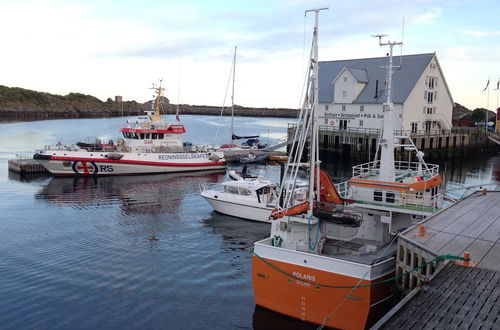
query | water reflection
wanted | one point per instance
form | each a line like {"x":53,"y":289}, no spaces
{"x":136,"y":195}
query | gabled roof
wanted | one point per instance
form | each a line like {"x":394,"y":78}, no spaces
{"x":359,"y":74}
{"x":404,"y":78}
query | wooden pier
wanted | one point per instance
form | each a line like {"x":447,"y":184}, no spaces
{"x":26,"y":166}
{"x":442,"y":295}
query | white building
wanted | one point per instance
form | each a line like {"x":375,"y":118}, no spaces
{"x":352,"y":92}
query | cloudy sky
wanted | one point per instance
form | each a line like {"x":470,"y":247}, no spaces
{"x":120,"y":47}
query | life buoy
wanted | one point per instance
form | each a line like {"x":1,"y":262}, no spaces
{"x":419,"y":195}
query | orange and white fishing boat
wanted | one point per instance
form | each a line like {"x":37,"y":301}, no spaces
{"x":148,"y":145}
{"x":330,"y":260}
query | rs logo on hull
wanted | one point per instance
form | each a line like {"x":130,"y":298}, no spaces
{"x":84,"y":167}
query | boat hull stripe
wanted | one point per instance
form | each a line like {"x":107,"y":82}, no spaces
{"x":135,"y":162}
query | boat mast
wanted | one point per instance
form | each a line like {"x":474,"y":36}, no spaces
{"x":156,"y":116}
{"x":387,"y":169}
{"x":232,"y":97}
{"x":313,"y":96}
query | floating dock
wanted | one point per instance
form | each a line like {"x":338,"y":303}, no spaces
{"x":26,"y":166}
{"x":444,"y":294}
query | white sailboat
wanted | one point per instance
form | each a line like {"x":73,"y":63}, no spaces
{"x":252,"y":141}
{"x":329,"y":260}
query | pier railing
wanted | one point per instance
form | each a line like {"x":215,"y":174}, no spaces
{"x":412,"y":133}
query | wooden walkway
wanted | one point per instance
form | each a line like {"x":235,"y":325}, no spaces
{"x":451,"y":296}
{"x":471,"y":225}
{"x":458,"y":298}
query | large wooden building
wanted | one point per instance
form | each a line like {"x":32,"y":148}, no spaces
{"x":352,"y":93}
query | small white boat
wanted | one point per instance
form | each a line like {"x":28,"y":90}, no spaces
{"x":251,"y":199}
{"x":149,"y":145}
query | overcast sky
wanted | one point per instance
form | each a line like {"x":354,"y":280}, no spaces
{"x":107,"y":48}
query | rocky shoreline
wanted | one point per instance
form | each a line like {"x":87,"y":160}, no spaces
{"x":27,"y":104}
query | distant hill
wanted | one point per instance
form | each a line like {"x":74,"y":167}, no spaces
{"x":18,"y":102}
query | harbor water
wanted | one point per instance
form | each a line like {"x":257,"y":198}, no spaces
{"x":140,"y":252}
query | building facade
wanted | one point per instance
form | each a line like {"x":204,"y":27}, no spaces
{"x":352,"y":93}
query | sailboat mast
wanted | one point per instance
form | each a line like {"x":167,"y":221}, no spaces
{"x":313,"y":96}
{"x":232,"y":97}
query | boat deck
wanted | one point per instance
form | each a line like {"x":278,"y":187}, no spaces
{"x":360,"y":251}
{"x":472,"y":225}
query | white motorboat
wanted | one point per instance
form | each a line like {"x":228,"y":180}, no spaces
{"x":149,"y":145}
{"x":253,"y":199}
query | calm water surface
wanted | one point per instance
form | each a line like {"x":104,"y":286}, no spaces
{"x":136,"y":252}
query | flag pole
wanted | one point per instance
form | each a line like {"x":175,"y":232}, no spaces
{"x":487,"y":106}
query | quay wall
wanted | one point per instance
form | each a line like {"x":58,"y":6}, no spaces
{"x":458,"y":141}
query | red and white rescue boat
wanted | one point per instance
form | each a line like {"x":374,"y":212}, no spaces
{"x":149,"y":145}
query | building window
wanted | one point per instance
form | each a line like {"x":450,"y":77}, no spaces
{"x":342,"y":124}
{"x":345,"y":78}
{"x":429,"y":110}
{"x":326,"y":107}
{"x":344,"y":93}
{"x":361,"y":108}
{"x":326,"y":121}
{"x":343,"y":108}
{"x":429,"y":96}
{"x":414,"y":127}
{"x":360,"y":123}
{"x":428,"y":125}
{"x":431,"y":82}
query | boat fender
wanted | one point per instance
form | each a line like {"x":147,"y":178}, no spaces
{"x":214,"y":157}
{"x":114,"y":156}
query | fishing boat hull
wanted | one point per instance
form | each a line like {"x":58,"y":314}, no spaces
{"x":245,"y":211}
{"x":79,"y":163}
{"x":293,"y":286}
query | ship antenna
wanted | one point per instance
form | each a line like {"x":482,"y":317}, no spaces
{"x":387,"y":169}
{"x":402,"y":42}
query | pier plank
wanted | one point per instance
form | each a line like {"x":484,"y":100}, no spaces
{"x":478,"y":250}
{"x":492,"y":258}
{"x":450,"y":215}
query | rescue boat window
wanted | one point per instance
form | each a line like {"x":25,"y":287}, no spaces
{"x":160,"y":135}
{"x":154,"y":136}
{"x":377,"y":196}
{"x":136,"y":136}
{"x":147,"y":135}
{"x":389,"y":197}
{"x":142,"y":136}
